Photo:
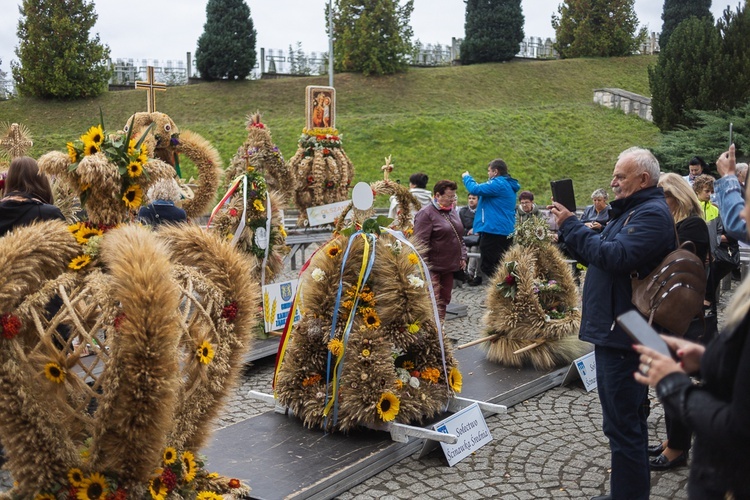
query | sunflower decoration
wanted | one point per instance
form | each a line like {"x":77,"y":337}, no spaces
{"x":108,"y":172}
{"x":170,"y":455}
{"x":209,"y":495}
{"x":158,"y":489}
{"x":75,"y":477}
{"x":372,"y":338}
{"x":188,"y":461}
{"x":455,"y":379}
{"x":205,"y":352}
{"x":45,"y":496}
{"x":93,"y":487}
{"x":89,"y":236}
{"x":54,"y":372}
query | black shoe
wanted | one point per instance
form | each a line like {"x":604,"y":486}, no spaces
{"x":662,"y":463}
{"x":602,"y":497}
{"x":475,"y":281}
{"x":655,"y":450}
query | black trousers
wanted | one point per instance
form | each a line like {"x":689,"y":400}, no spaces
{"x":491,"y":248}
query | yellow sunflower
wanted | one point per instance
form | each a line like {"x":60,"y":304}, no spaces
{"x":74,"y":228}
{"x":399,"y":384}
{"x":371,"y":317}
{"x":170,"y":455}
{"x":209,"y":495}
{"x":45,"y":496}
{"x":188,"y":459}
{"x":54,"y":372}
{"x":413,"y":327}
{"x":75,"y":477}
{"x":86,"y":232}
{"x":455,"y":379}
{"x":135,"y":169}
{"x":333,"y":251}
{"x":72,"y":152}
{"x":90,"y":148}
{"x":408,"y":365}
{"x":205,"y":352}
{"x":143,"y":156}
{"x":157,"y":489}
{"x":388,"y":406}
{"x":95,"y":135}
{"x":336,"y":347}
{"x":133,"y":196}
{"x":80,"y":262}
{"x":131,"y":147}
{"x":413,"y":258}
{"x":258,"y":205}
{"x":282,"y":231}
{"x":93,"y":487}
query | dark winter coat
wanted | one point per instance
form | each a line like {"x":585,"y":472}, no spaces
{"x":22,"y":210}
{"x":717,"y":410}
{"x":613,"y":254}
{"x":161,"y":212}
{"x":445,"y":250}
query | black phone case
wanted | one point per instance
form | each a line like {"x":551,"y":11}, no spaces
{"x":562,"y":193}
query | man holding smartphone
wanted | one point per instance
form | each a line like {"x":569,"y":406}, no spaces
{"x":637,"y":237}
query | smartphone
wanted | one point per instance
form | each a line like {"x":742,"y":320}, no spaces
{"x":641,"y":332}
{"x":731,"y":139}
{"x":562,"y":193}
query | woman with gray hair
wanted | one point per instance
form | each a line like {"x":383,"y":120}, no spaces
{"x":163,"y":195}
{"x":596,"y":216}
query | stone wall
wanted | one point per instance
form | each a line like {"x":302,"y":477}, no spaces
{"x":628,"y":102}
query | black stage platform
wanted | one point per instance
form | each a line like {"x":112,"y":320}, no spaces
{"x":279,"y":458}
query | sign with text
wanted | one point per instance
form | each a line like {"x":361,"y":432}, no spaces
{"x":325,"y":214}
{"x":277,"y":302}
{"x":470,"y":428}
{"x":585,"y":367}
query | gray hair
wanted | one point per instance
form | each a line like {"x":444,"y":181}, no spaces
{"x":600,"y":193}
{"x":741,"y":167}
{"x":645,"y":160}
{"x":164,"y":189}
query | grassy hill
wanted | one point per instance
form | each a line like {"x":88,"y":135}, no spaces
{"x":538,"y":116}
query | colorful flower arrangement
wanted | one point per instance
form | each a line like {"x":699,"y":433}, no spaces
{"x":129,"y":155}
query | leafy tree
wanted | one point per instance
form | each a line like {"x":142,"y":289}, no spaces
{"x":226,"y":49}
{"x":372,"y":37}
{"x":597,"y":28}
{"x":493,"y":31}
{"x":676,"y":11}
{"x":57,"y":59}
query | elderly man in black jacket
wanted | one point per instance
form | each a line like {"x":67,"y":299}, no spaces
{"x":638,"y":236}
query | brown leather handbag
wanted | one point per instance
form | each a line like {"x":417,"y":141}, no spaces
{"x":672,"y":294}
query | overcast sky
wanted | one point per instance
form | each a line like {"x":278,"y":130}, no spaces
{"x":167,"y":29}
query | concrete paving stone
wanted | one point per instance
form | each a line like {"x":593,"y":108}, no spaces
{"x":457,"y":488}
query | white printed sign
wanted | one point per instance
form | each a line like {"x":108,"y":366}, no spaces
{"x":277,"y":302}
{"x":470,"y":428}
{"x":325,"y":214}
{"x":586,"y":366}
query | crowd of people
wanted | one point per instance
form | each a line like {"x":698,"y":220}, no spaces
{"x":704,"y":385}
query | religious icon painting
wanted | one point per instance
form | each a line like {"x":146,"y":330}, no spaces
{"x":320,"y":106}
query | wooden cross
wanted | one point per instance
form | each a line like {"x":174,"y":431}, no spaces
{"x":151,"y":87}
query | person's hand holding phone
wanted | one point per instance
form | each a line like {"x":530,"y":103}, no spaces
{"x":689,"y":353}
{"x":726,"y":163}
{"x":559,"y":212}
{"x":654,"y":366}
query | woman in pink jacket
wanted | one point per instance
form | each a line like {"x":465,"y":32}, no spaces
{"x":439,"y":228}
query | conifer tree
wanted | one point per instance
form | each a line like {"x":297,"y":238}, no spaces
{"x":676,"y":11}
{"x":597,"y":28}
{"x":493,"y":31}
{"x":56,"y":57}
{"x":226,"y":49}
{"x":372,"y":37}
{"x":688,"y":73}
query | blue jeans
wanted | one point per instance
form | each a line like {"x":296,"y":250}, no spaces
{"x":624,"y":421}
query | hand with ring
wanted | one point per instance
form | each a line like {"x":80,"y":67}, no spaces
{"x":654,"y":366}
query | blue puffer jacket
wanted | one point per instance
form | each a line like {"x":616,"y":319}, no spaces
{"x":639,"y":235}
{"x":496,"y":211}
